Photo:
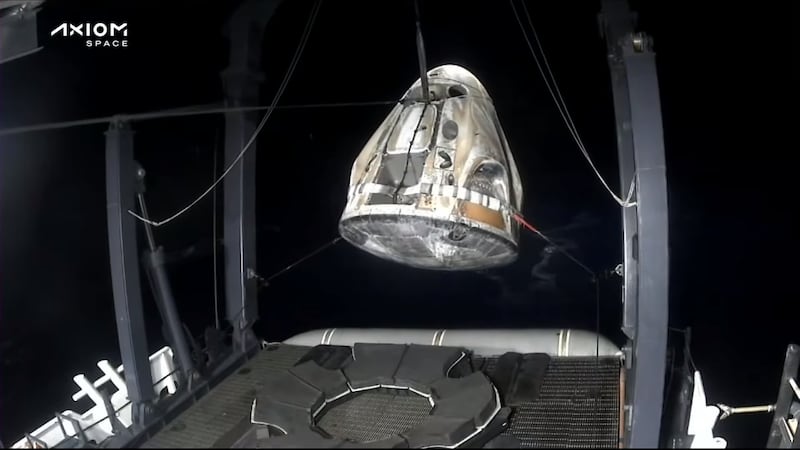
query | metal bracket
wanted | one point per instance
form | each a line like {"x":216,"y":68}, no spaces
{"x":781,"y":436}
{"x":627,"y":355}
{"x":628,"y":412}
{"x":79,"y":433}
{"x":728,"y":411}
{"x":116,"y":426}
{"x":35,"y":442}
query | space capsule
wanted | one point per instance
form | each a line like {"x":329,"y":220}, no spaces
{"x":434,"y":186}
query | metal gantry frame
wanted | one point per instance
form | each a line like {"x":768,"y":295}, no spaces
{"x":124,"y":178}
{"x":641,"y":158}
{"x":241,"y":81}
{"x":787,"y":404}
{"x":124,"y":254}
{"x":640,"y":144}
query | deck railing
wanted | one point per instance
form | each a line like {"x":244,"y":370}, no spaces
{"x":110,"y":414}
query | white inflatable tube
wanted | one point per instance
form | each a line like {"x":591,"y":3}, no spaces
{"x":555,"y":342}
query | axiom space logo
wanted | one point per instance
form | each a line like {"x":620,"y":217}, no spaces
{"x":98,"y":34}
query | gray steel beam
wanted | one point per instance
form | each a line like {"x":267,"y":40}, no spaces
{"x":123,"y":250}
{"x":652,"y":309}
{"x":241,"y":81}
{"x":784,"y":401}
{"x":154,"y":262}
{"x":18,"y":30}
{"x":641,"y":155}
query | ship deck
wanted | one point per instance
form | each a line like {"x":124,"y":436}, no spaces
{"x":579,"y":405}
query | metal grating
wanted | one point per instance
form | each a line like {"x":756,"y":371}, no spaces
{"x":374,"y":415}
{"x":578,"y":406}
{"x":227,"y":404}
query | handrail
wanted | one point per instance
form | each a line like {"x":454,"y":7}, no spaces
{"x":95,"y":423}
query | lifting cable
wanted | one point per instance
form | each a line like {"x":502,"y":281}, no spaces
{"x":595,"y":281}
{"x":426,"y":95}
{"x":558,"y":99}
{"x":214,"y":232}
{"x":265,"y":281}
{"x":521,"y":220}
{"x":278,"y":94}
{"x":423,"y":66}
{"x":592,"y":275}
{"x":187,"y":111}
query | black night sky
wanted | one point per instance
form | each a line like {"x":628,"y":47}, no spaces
{"x":723,"y":92}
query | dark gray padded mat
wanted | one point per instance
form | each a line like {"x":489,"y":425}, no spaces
{"x":577,"y":406}
{"x":222,"y":409}
{"x":289,"y":400}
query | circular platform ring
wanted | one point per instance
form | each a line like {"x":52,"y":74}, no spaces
{"x":319,"y":407}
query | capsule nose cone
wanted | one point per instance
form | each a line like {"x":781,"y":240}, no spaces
{"x":446,"y":76}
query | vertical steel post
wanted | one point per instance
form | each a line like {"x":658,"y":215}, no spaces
{"x":241,"y":81}
{"x":779,"y":437}
{"x":641,"y":157}
{"x":123,"y":251}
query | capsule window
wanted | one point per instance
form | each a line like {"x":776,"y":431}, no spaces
{"x":489,"y":179}
{"x":456,"y":91}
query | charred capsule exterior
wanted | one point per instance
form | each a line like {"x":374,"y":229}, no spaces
{"x":433,"y":185}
